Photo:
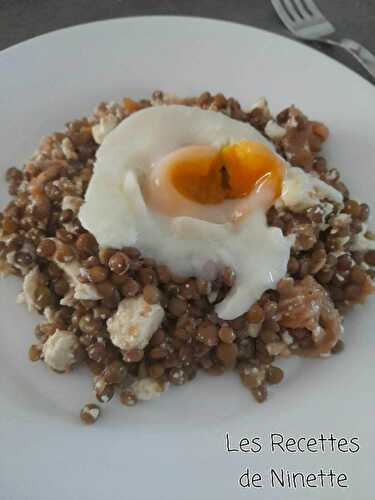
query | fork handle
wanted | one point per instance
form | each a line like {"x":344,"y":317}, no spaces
{"x":363,"y":55}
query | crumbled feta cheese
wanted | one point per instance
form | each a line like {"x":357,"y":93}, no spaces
{"x":288,"y":155}
{"x":340,"y":277}
{"x":67,"y":148}
{"x":72,"y":203}
{"x":23,"y":187}
{"x":287,"y":338}
{"x":212,"y":296}
{"x":68,"y":300}
{"x":253,"y":329}
{"x":332,"y":175}
{"x":134,"y":323}
{"x":31,"y":283}
{"x":148,"y":388}
{"x":342,"y":220}
{"x":274,"y":131}
{"x":71,"y":228}
{"x":11,"y":260}
{"x":318,"y":334}
{"x":339,"y":253}
{"x":165,"y":98}
{"x":82,"y":291}
{"x":93,"y":412}
{"x":49,"y":314}
{"x":363,"y":265}
{"x":100,"y":384}
{"x":327,"y":209}
{"x":292,"y":123}
{"x":361,"y":243}
{"x":260,"y":103}
{"x":103,"y":128}
{"x":277,"y":349}
{"x":59,"y":350}
{"x":343,"y":241}
{"x":302,"y":190}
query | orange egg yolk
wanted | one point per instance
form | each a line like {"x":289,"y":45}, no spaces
{"x":209,"y":176}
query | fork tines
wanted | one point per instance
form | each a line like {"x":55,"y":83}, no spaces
{"x":298,"y":10}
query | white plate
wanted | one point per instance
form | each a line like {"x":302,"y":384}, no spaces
{"x":174,"y":448}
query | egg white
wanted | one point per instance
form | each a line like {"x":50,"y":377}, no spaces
{"x":116,"y":213}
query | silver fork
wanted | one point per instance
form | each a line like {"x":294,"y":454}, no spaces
{"x":304,"y":20}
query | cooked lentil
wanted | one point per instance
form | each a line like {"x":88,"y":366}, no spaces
{"x":90,"y":414}
{"x":128,"y":398}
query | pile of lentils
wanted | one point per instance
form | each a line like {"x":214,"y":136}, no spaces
{"x":192,"y":337}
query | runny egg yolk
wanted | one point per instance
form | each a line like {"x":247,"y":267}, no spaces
{"x":206,"y":175}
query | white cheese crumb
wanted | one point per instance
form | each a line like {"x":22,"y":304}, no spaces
{"x":212,"y":296}
{"x":94,"y":412}
{"x":148,"y":388}
{"x":67,"y":148}
{"x":253,"y":329}
{"x":59,"y":350}
{"x":342,"y":219}
{"x":49,"y":314}
{"x":277,"y":349}
{"x":167,"y":98}
{"x":134,"y":323}
{"x":364,"y":266}
{"x":71,"y":228}
{"x":338,"y":253}
{"x":361,"y":243}
{"x":292,"y":123}
{"x":343,"y":241}
{"x":327,"y":209}
{"x":31,"y":283}
{"x":103,"y":128}
{"x":10,"y":258}
{"x":99,"y":384}
{"x":68,"y":299}
{"x":23,"y":187}
{"x":274,"y":131}
{"x":332,"y":175}
{"x":287,"y":338}
{"x":318,"y":334}
{"x":302,"y":190}
{"x":82,"y":291}
{"x":72,"y":203}
{"x":260,"y":103}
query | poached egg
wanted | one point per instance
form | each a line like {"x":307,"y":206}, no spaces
{"x":190,"y":188}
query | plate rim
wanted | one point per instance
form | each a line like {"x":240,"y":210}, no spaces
{"x":187,"y":18}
